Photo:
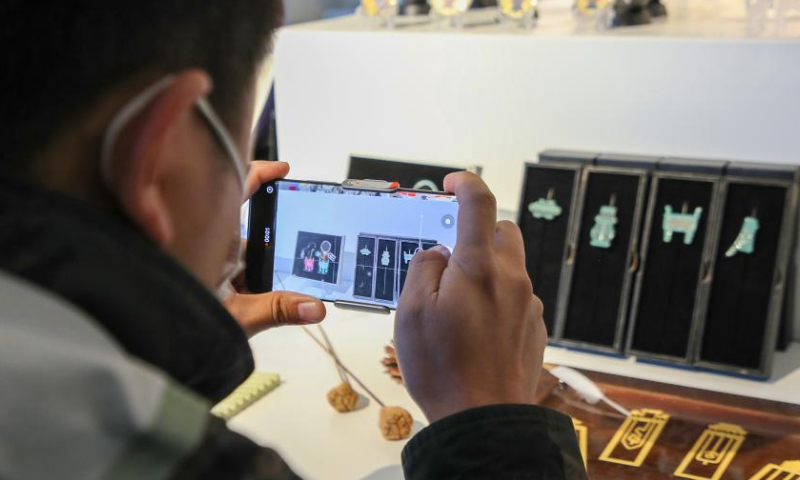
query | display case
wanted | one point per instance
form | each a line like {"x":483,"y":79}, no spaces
{"x":318,"y":257}
{"x":674,"y":277}
{"x":623,"y":160}
{"x":546,"y":211}
{"x":568,"y":156}
{"x":756,"y":232}
{"x":677,"y":260}
{"x":415,"y":176}
{"x":598,"y":275}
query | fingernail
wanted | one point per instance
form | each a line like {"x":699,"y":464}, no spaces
{"x":310,"y":312}
{"x":443,"y":250}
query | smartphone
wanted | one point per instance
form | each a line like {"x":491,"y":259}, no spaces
{"x":349,"y":243}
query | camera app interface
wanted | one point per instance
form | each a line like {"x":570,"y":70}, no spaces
{"x":352,"y":245}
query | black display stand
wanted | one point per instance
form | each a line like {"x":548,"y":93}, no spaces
{"x":674,"y":276}
{"x":382,"y":265}
{"x":747,"y":294}
{"x":318,"y":257}
{"x":694,"y":303}
{"x":408,"y":249}
{"x":560,"y":157}
{"x":364,"y":279}
{"x":598,"y":280}
{"x":386,"y":269}
{"x":630,"y":12}
{"x":623,"y":160}
{"x":546,"y":239}
{"x":410,"y":175}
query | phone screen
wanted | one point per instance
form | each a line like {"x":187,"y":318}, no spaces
{"x":338,"y":244}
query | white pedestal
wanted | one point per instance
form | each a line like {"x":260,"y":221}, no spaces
{"x":321,"y":444}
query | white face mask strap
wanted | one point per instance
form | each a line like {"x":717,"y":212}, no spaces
{"x":139,"y":102}
{"x":130,"y":110}
{"x":224,"y":139}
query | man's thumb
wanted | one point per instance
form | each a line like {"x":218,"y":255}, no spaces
{"x":425,"y":271}
{"x":256,"y":313}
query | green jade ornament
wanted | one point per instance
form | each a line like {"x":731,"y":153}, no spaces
{"x":603,"y":231}
{"x":545,"y":208}
{"x":685,"y":223}
{"x":746,"y":240}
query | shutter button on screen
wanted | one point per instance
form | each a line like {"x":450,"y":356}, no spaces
{"x":448,"y":221}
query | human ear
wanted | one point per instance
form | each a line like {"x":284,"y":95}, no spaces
{"x":148,"y":151}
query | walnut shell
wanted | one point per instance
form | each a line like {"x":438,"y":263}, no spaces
{"x":395,"y":423}
{"x":343,"y":398}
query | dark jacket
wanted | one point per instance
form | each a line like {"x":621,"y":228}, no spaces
{"x":103,"y":269}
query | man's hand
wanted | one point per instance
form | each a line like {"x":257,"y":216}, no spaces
{"x":469,"y":330}
{"x":258,"y":312}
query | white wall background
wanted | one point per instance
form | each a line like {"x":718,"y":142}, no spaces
{"x":497,"y":96}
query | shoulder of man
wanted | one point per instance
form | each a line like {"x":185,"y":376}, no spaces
{"x":75,"y":405}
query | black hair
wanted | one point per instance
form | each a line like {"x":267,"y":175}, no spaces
{"x":59,"y":55}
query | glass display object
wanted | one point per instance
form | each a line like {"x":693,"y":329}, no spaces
{"x":450,"y":12}
{"x":596,"y":14}
{"x":524,"y":12}
{"x":381,"y":12}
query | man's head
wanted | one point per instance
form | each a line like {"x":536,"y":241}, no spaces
{"x":70,"y":66}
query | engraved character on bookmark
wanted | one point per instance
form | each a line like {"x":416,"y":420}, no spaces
{"x":582,"y":432}
{"x":635,"y":438}
{"x":784,"y":471}
{"x":712,"y":453}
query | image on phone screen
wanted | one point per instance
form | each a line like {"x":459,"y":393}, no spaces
{"x":339,"y":244}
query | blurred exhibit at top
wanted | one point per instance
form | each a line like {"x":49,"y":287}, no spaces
{"x":298,"y":11}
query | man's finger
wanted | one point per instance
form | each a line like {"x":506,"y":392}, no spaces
{"x":256,"y":313}
{"x":262,"y":172}
{"x":508,"y":244}
{"x":477,"y":211}
{"x":425,"y":272}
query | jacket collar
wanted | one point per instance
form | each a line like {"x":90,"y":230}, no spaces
{"x":154,"y":308}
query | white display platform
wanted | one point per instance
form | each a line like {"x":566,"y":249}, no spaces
{"x":321,"y":444}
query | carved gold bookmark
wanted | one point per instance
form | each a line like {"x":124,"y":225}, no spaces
{"x":712,"y":453}
{"x":582,"y":431}
{"x":784,"y":471}
{"x":635,"y":438}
